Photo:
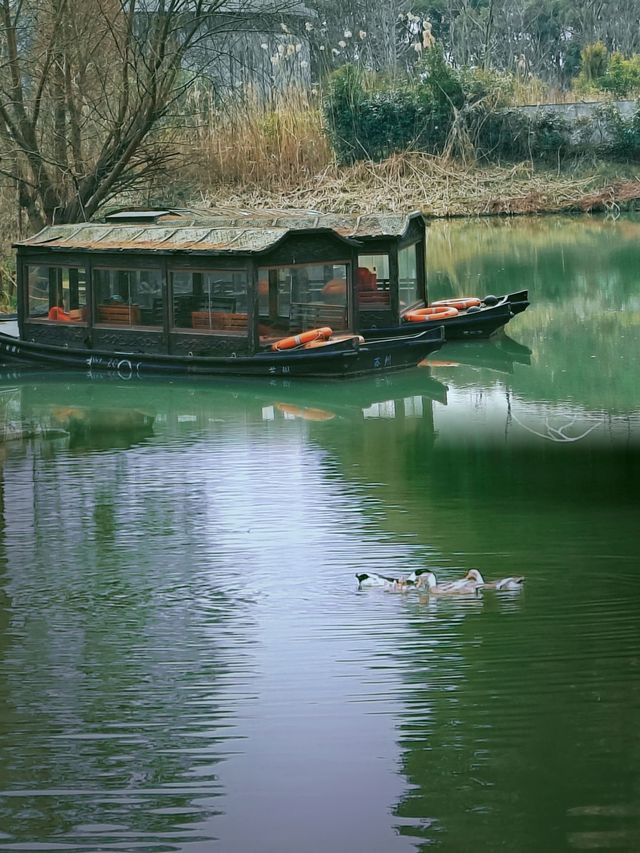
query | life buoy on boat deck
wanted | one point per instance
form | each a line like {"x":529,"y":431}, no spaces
{"x":461,"y":302}
{"x":57,"y":313}
{"x":323,"y":333}
{"x":321,"y":342}
{"x":420,"y":315}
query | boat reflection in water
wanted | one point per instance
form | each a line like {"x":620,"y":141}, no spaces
{"x":473,"y":408}
{"x":101,"y":411}
{"x":107,"y":426}
{"x":500,"y":354}
{"x":71,"y":415}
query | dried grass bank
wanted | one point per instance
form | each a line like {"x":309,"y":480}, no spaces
{"x":255,"y":154}
{"x":437,"y":186}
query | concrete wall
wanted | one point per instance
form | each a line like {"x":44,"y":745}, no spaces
{"x":577,"y":112}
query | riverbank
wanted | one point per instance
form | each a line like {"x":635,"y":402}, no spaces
{"x":442,"y":188}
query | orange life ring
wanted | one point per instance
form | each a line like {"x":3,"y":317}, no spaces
{"x":438,"y":313}
{"x":321,"y":342}
{"x":461,"y":303}
{"x":303,"y":338}
{"x":335,"y":287}
{"x":57,"y":313}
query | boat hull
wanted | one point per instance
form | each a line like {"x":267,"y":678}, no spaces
{"x":334,"y":360}
{"x":479,"y":324}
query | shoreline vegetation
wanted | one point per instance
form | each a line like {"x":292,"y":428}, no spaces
{"x":283,"y":159}
{"x":314,"y":107}
{"x":441,"y":188}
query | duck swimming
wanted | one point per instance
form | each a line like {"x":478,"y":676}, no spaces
{"x":474,"y":576}
{"x":425,"y":578}
{"x":369,"y":579}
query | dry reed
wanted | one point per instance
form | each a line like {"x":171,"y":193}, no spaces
{"x":252,"y":153}
{"x":438,"y":186}
{"x":251,"y":141}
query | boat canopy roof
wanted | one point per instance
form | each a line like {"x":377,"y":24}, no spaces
{"x":224,"y":231}
{"x":160,"y":238}
{"x":347,"y":225}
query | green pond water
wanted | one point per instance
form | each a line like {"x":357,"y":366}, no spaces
{"x":186,"y":663}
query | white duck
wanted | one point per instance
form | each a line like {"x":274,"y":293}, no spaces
{"x":369,"y":579}
{"x":423,"y":578}
{"x":474,"y":576}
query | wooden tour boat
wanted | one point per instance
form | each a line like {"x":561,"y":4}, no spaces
{"x":230,"y":292}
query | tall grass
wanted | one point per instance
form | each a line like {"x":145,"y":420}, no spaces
{"x":519,"y":90}
{"x":252,"y":142}
{"x":276,"y":144}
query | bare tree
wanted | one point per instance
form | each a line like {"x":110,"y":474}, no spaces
{"x":88,"y":92}
{"x":544,"y":37}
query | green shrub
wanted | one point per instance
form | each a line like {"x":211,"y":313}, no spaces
{"x":550,"y":135}
{"x":621,"y":136}
{"x":480,"y":84}
{"x":622,"y":76}
{"x":369,"y":118}
{"x":343,"y":112}
{"x":365,"y":121}
{"x":594,"y":60}
{"x":442,"y":82}
{"x":608,"y":73}
{"x":512,"y":135}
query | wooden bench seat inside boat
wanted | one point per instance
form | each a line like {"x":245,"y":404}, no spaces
{"x":374,"y":297}
{"x":311,"y":315}
{"x":219,"y":320}
{"x":119,"y":315}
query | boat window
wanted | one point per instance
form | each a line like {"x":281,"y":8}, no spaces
{"x":408,"y":277}
{"x":128,"y":297}
{"x":58,"y":294}
{"x":211,"y":300}
{"x":302,"y":296}
{"x":372,"y":282}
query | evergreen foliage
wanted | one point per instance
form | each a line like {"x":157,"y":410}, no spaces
{"x":620,"y":135}
{"x":370,"y":118}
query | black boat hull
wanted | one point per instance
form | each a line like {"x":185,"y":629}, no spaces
{"x":478,"y":324}
{"x":334,"y":360}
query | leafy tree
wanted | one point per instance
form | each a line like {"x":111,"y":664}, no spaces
{"x":622,"y":76}
{"x":595,"y":59}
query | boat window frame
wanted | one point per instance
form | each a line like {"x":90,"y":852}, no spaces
{"x":137,"y":266}
{"x":347,"y":263}
{"x":202,"y":269}
{"x":43,"y":261}
{"x":420,"y":264}
{"x":386,"y":293}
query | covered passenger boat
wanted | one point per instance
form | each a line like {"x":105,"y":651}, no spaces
{"x":183,"y":292}
{"x":389,"y":289}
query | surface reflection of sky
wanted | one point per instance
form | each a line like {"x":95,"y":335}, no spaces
{"x":210,"y":671}
{"x":495,"y":413}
